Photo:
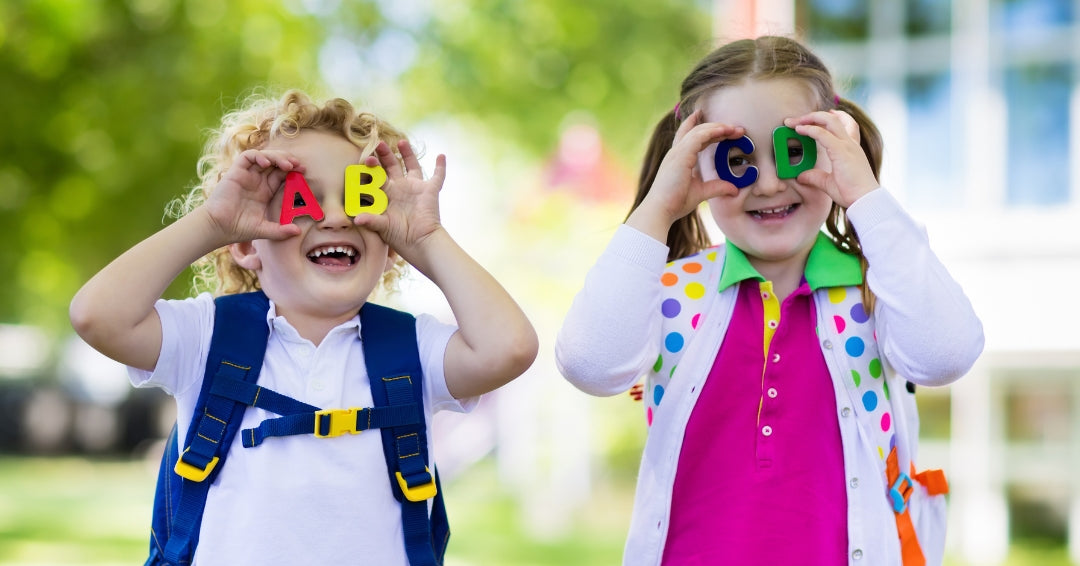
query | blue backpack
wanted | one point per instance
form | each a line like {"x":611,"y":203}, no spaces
{"x":236,"y":354}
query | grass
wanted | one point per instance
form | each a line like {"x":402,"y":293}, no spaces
{"x":73,"y":511}
{"x":58,"y":511}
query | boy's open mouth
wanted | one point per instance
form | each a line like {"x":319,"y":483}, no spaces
{"x":773,"y":213}
{"x":333,"y":255}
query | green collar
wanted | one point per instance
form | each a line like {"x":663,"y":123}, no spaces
{"x":826,"y":266}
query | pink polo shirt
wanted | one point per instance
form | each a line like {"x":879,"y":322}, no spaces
{"x":760,"y":479}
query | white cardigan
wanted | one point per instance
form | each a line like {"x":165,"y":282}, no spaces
{"x":927,"y":333}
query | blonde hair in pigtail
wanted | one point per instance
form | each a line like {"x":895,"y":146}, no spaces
{"x":261,"y":119}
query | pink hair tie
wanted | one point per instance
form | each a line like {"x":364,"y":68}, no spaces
{"x":836,"y":99}
{"x":677,"y":117}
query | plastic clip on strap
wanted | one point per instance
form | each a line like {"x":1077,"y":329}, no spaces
{"x":337,"y":421}
{"x":421,"y":492}
{"x":194,"y":473}
{"x":900,"y":491}
{"x":200,"y":457}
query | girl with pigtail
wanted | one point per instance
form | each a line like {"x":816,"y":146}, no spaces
{"x":780,"y":366}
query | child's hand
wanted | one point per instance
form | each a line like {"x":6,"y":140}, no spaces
{"x":412,"y":211}
{"x":679,"y":182}
{"x":679,"y":188}
{"x":238,"y":205}
{"x":846,"y":174}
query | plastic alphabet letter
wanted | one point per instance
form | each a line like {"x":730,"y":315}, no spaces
{"x":784,"y":168}
{"x":296,"y":189}
{"x":723,"y":168}
{"x":354,"y":187}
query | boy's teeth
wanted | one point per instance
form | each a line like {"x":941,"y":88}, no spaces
{"x":333,"y":249}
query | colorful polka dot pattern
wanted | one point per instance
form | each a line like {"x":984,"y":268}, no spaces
{"x":683,"y":289}
{"x":853,"y":328}
{"x":848,"y":328}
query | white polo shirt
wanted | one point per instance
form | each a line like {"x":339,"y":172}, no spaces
{"x":297,"y":499}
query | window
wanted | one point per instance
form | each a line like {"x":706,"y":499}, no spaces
{"x":931,"y":166}
{"x":1037,"y":82}
{"x":928,"y":17}
{"x":836,"y":20}
{"x":1037,"y":97}
{"x":1038,"y":407}
{"x":1028,"y":19}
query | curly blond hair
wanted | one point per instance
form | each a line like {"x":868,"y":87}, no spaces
{"x":260,"y":119}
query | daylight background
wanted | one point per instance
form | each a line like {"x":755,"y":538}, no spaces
{"x":542,"y":108}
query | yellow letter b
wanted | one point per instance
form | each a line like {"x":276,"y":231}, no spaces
{"x":376,"y":201}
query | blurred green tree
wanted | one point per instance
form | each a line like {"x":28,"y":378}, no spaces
{"x":527,"y":70}
{"x":108,"y":100}
{"x":107,"y":103}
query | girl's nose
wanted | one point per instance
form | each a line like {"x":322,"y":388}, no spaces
{"x":768,"y":183}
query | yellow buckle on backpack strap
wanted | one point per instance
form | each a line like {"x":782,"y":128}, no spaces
{"x":419,"y":493}
{"x":187,"y":471}
{"x":341,"y":421}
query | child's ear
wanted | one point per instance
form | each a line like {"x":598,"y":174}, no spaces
{"x":245,"y":255}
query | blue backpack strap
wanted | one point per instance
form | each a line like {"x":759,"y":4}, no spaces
{"x":237,"y":348}
{"x":392,"y":358}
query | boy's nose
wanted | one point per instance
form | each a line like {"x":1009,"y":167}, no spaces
{"x":334,"y":215}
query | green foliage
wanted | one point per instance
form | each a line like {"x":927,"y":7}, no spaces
{"x":107,"y":102}
{"x":526,"y":69}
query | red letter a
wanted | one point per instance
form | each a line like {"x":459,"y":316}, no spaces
{"x":297,"y":199}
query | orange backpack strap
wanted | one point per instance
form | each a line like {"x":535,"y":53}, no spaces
{"x":900,"y":488}
{"x":933,"y":480}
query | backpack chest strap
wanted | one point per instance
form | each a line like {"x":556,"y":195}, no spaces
{"x":302,"y":418}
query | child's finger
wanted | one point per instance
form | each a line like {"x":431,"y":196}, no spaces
{"x":412,"y":163}
{"x":849,"y":123}
{"x":439,"y":175}
{"x":253,"y":159}
{"x":831,"y":122}
{"x":686,"y":125}
{"x":816,"y":178}
{"x":280,"y":231}
{"x":388,"y":161}
{"x":377,"y":223}
{"x":719,"y":188}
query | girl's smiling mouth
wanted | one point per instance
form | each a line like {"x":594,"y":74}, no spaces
{"x":333,"y":256}
{"x":773,"y":213}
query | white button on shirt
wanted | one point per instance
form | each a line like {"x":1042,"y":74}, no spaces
{"x":270,"y":502}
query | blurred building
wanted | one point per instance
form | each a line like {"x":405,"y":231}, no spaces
{"x":979,"y":104}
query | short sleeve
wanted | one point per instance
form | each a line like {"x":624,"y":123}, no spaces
{"x":432,"y":338}
{"x":186,"y":326}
